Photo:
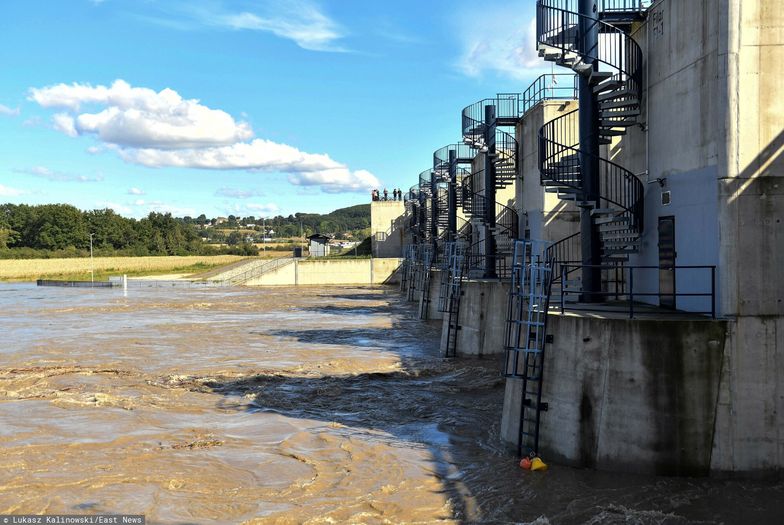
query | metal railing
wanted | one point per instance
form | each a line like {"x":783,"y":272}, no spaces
{"x":626,"y":297}
{"x":559,"y":162}
{"x":257,"y":271}
{"x":463,"y":154}
{"x":509,"y":107}
{"x":565,"y":29}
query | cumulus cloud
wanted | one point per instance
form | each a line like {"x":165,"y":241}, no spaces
{"x":336,"y":180}
{"x":135,"y":191}
{"x":58,"y":176}
{"x":139,"y":117}
{"x":161,"y":129}
{"x":6,"y":191}
{"x":504,"y":43}
{"x":9,"y":112}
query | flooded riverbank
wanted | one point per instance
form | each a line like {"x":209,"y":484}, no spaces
{"x":284,"y":405}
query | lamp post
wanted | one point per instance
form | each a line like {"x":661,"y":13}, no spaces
{"x":92,"y":268}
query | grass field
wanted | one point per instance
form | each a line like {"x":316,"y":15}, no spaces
{"x":79,"y":269}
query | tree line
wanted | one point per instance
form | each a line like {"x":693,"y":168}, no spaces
{"x":62,"y":230}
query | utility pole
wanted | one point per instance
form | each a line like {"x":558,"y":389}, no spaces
{"x":92,"y":267}
{"x":589,"y":153}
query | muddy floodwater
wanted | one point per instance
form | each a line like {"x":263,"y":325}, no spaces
{"x":285,"y":405}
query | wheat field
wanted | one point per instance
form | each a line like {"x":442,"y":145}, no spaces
{"x":79,"y":268}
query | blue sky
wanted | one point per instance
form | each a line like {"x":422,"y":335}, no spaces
{"x":244,"y":107}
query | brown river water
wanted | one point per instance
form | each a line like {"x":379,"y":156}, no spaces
{"x":284,"y":405}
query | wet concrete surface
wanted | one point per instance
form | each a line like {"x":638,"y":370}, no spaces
{"x":285,"y":405}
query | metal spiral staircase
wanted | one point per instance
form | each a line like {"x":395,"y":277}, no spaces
{"x":613,"y":67}
{"x":483,"y":124}
{"x":615,"y":207}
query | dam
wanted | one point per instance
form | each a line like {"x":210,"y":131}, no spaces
{"x":611,"y":236}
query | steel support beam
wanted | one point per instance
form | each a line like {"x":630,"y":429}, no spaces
{"x":452,"y":202}
{"x":434,"y":213}
{"x":589,"y":153}
{"x":489,"y":184}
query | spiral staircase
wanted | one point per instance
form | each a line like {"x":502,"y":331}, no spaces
{"x":501,"y":146}
{"x":613,"y":68}
{"x":604,"y":55}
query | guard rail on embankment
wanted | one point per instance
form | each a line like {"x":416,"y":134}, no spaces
{"x":287,"y":271}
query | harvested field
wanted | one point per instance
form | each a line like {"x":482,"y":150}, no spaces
{"x":79,"y":268}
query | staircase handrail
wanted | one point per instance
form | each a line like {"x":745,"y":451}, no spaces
{"x":258,"y":271}
{"x":617,"y":186}
{"x":552,"y":22}
{"x":513,"y":106}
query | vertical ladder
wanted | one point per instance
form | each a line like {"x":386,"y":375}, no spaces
{"x":443,"y":295}
{"x":427,"y":263}
{"x":526,"y":337}
{"x":412,"y":272}
{"x":457,"y":266}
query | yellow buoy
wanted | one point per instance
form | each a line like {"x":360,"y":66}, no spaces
{"x":538,"y":464}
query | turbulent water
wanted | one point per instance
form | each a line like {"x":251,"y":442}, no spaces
{"x":284,"y":406}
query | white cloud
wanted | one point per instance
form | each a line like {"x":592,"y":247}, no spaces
{"x":58,"y":176}
{"x":5,"y":191}
{"x":256,"y":209}
{"x":300,"y":22}
{"x":139,"y":117}
{"x":135,"y":191}
{"x":336,"y":180}
{"x":305,"y":169}
{"x":9,"y":112}
{"x":64,"y":123}
{"x":117,"y":207}
{"x":502,"y":40}
{"x":161,"y":129}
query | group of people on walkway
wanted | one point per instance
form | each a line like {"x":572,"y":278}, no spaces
{"x":397,"y":195}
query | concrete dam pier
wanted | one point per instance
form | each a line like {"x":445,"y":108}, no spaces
{"x":611,"y":237}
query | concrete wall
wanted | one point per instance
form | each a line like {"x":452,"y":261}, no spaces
{"x":544,"y":215}
{"x":752,"y":247}
{"x":749,"y":425}
{"x":482,"y":319}
{"x":428,"y":304}
{"x":318,"y":272}
{"x":386,"y":228}
{"x":627,"y":395}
